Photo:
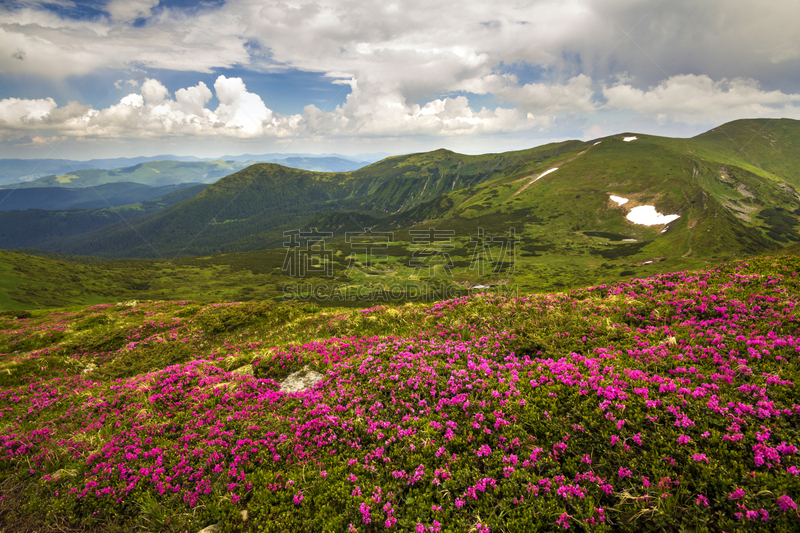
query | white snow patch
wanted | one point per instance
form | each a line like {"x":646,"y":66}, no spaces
{"x":545,"y":173}
{"x":629,"y":139}
{"x":598,"y":142}
{"x":628,"y":240}
{"x":646,"y":215}
{"x":647,"y":262}
{"x":619,"y":199}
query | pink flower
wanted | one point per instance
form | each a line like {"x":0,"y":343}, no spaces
{"x":563,"y":520}
{"x":737,"y":494}
{"x":684,"y":439}
{"x":701,"y":500}
{"x":785,"y":503}
{"x":700,"y":457}
{"x":365,"y":516}
{"x":624,"y":472}
{"x":298,"y":497}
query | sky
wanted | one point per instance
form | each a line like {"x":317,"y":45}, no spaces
{"x":124,"y":78}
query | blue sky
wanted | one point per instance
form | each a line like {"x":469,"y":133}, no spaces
{"x":125,"y":78}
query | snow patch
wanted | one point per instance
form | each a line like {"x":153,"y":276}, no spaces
{"x":598,"y":142}
{"x":646,"y":215}
{"x":620,"y":200}
{"x":647,"y":262}
{"x":545,"y":173}
{"x":629,"y":139}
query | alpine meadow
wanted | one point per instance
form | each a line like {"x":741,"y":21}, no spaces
{"x":416,"y":266}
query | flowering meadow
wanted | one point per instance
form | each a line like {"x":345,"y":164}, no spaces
{"x":659,"y":404}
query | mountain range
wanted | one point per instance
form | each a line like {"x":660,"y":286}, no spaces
{"x":169,"y":168}
{"x":577,"y":211}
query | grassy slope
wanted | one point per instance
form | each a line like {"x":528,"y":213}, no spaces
{"x":664,"y":404}
{"x":254,"y":203}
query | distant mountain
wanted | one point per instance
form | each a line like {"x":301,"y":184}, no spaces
{"x":36,"y":228}
{"x":13,"y":171}
{"x":152,"y":173}
{"x":99,"y":196}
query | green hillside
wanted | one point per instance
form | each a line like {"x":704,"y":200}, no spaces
{"x":250,"y":209}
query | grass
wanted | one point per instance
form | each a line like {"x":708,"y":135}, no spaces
{"x":664,"y":403}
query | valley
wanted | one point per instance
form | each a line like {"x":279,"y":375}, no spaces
{"x":571,"y":212}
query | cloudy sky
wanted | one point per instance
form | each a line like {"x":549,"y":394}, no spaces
{"x":81,"y":79}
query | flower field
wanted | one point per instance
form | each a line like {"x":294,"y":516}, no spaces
{"x":659,"y":404}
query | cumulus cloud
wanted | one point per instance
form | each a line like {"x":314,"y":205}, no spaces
{"x":152,"y":112}
{"x":17,"y":112}
{"x":128,"y":10}
{"x":408,"y":65}
{"x":700,"y":100}
{"x":575,"y":96}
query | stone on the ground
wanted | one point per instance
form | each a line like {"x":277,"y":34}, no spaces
{"x":301,"y":380}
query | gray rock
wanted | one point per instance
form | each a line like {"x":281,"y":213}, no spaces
{"x":213,"y":528}
{"x":301,"y":380}
{"x":64,"y":472}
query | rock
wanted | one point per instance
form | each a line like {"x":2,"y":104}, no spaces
{"x":64,"y":472}
{"x":244,"y":515}
{"x":301,"y":380}
{"x":213,"y":528}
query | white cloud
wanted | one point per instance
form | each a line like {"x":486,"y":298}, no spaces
{"x":243,"y":114}
{"x":411,"y":60}
{"x":700,"y":100}
{"x":154,"y":92}
{"x":128,"y":10}
{"x":16,"y":112}
{"x":239,"y":109}
{"x":573,"y":97}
